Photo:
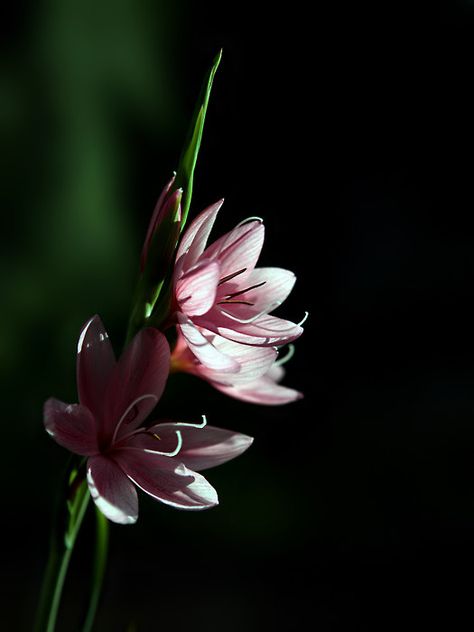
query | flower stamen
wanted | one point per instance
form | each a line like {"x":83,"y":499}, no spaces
{"x":173,"y":452}
{"x":226,"y":302}
{"x":190,"y":425}
{"x":304,"y":319}
{"x":288,"y":355}
{"x":132,"y":405}
{"x":231,"y":276}
{"x":252,"y":218}
{"x":229,"y":235}
{"x":247,"y":289}
{"x":248,"y":321}
{"x":149,"y":451}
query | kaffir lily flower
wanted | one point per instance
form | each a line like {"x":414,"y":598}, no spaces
{"x":219,"y":290}
{"x":256,"y":380}
{"x":106,"y":427}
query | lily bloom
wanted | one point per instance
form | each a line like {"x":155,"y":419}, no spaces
{"x":218,"y":289}
{"x":106,"y":427}
{"x":257,"y":378}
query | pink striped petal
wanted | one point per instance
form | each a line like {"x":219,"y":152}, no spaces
{"x":203,"y":348}
{"x":196,"y":290}
{"x":202,"y":447}
{"x":95,"y":363}
{"x":72,"y":426}
{"x":166,"y":479}
{"x":262,"y":391}
{"x":253,"y":361}
{"x":195,"y":237}
{"x":264,"y":331}
{"x":111,"y":490}
{"x":273,"y":287}
{"x":239,"y":249}
{"x":137,"y":382}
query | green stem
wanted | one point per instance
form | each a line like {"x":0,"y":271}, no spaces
{"x":61,"y":548}
{"x":100,"y":564}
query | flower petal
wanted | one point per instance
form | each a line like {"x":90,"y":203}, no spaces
{"x":238,"y":249}
{"x":166,"y":479}
{"x":262,"y":391}
{"x":111,"y":490}
{"x":72,"y":426}
{"x":202,"y":447}
{"x":195,"y":237}
{"x":203,"y":348}
{"x":253,"y":361}
{"x":95,"y":363}
{"x":155,"y":220}
{"x":269,"y":287}
{"x":264,"y":331}
{"x":196,"y":290}
{"x":137,"y":382}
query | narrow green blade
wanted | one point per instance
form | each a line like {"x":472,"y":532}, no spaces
{"x":188,"y":159}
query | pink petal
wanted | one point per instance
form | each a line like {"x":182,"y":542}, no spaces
{"x":195,"y":237}
{"x":202,"y":447}
{"x":253,"y":361}
{"x":72,"y":426}
{"x":111,"y":490}
{"x":196,"y":290}
{"x":95,"y":363}
{"x":203,"y":348}
{"x":274,"y":286}
{"x":239,"y":249}
{"x":166,"y":479}
{"x":137,"y":382}
{"x":154,"y":222}
{"x":265,"y":331}
{"x":262,"y":391}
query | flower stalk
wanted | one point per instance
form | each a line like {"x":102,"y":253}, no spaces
{"x":70,"y":513}
{"x":100,"y":565}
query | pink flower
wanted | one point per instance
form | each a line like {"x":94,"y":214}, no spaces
{"x":219,"y":290}
{"x":256,"y":380}
{"x":115,"y":398}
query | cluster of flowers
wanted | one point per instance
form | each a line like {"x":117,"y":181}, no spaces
{"x":219,"y":313}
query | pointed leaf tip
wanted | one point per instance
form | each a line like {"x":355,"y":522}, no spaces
{"x":188,"y":159}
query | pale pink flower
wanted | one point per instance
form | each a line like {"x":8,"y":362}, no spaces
{"x":115,"y":398}
{"x":219,"y":290}
{"x":256,"y":380}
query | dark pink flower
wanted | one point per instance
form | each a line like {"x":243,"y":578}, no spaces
{"x":106,"y":427}
{"x":257,"y":379}
{"x":218,"y":289}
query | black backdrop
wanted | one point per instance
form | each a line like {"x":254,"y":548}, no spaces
{"x":349,"y":129}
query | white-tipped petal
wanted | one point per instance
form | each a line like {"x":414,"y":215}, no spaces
{"x":112,"y":491}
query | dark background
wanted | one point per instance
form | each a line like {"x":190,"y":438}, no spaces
{"x":350,"y":131}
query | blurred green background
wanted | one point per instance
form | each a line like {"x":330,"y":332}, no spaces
{"x":350,"y":132}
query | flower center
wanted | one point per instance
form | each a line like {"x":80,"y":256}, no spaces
{"x":131,"y":413}
{"x":229,"y":298}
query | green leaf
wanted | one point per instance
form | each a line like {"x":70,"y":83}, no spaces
{"x":188,"y":159}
